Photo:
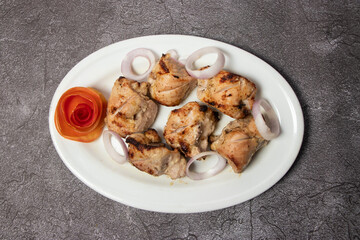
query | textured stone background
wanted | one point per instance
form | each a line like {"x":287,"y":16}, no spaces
{"x":315,"y":45}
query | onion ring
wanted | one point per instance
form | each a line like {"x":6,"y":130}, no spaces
{"x":127,"y":69}
{"x":267,"y":122}
{"x":182,"y":61}
{"x":110,"y":148}
{"x":208,"y":72}
{"x":220,"y":165}
{"x":173,"y":53}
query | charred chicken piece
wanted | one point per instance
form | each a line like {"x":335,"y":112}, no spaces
{"x":238,"y":142}
{"x":230,"y":93}
{"x":188,"y":128}
{"x":170,"y":82}
{"x":148,"y":154}
{"x":129,"y":110}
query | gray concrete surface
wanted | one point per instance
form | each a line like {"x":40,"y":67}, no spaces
{"x":315,"y":45}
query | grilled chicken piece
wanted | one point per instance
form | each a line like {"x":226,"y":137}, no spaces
{"x":230,"y":93}
{"x":129,"y":109}
{"x":170,"y":82}
{"x":188,"y":128}
{"x":148,"y":154}
{"x":238,"y":142}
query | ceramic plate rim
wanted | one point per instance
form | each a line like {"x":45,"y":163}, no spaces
{"x":190,"y":208}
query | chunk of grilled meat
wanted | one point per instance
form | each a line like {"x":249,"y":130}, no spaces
{"x":188,"y":128}
{"x":230,"y":93}
{"x":148,"y":154}
{"x":129,"y":109}
{"x":170,"y":82}
{"x":238,"y":142}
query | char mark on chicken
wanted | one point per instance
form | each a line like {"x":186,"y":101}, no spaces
{"x":129,"y":109}
{"x":230,"y":93}
{"x":188,"y":128}
{"x":148,"y":154}
{"x":170,"y":82}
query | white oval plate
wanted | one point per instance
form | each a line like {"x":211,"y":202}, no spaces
{"x":125,"y":184}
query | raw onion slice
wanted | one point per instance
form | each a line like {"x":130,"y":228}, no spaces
{"x":110,"y":148}
{"x":127,"y":69}
{"x":182,"y":61}
{"x":220,"y":165}
{"x":266,"y":119}
{"x":208,"y":72}
{"x":173,"y":53}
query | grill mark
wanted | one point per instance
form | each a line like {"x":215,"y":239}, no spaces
{"x":228,"y":76}
{"x":139,"y":146}
{"x":184,"y":147}
{"x":203,"y":108}
{"x":241,"y":105}
{"x":113,"y":110}
{"x":163,"y":66}
{"x":117,"y":124}
{"x":120,"y":114}
{"x":216,"y":115}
